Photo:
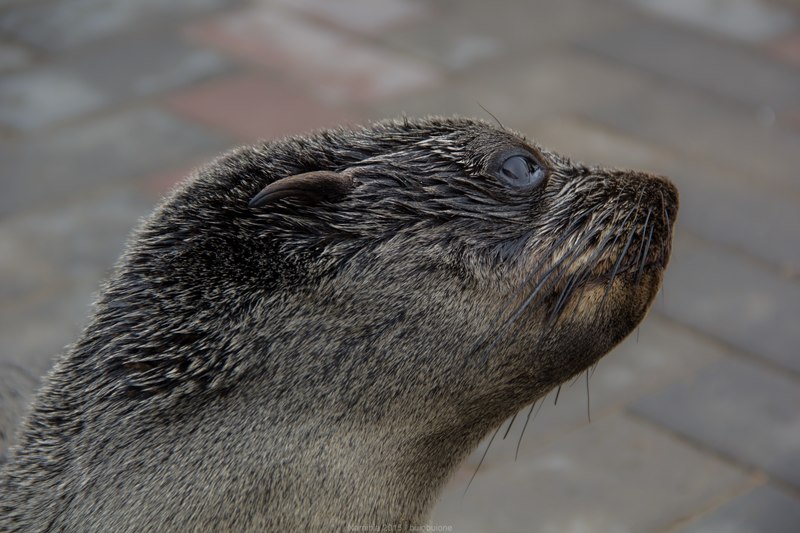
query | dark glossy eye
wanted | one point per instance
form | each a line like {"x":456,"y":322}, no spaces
{"x":522,"y":172}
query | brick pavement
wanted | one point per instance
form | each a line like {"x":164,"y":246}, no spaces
{"x":105,"y":104}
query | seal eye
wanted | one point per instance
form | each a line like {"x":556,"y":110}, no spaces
{"x":522,"y":172}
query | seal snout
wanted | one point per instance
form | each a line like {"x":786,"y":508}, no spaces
{"x":662,"y":202}
{"x":667,"y":195}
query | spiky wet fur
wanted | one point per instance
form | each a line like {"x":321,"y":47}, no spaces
{"x":318,"y":367}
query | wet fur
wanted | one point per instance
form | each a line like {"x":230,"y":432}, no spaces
{"x":327,"y":361}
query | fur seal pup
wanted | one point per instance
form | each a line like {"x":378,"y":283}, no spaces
{"x":311,"y":333}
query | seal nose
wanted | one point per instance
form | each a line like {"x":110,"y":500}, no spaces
{"x":670,"y":196}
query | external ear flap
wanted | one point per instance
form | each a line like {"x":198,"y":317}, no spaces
{"x":310,"y":188}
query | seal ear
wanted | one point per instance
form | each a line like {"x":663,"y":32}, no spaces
{"x":310,"y":188}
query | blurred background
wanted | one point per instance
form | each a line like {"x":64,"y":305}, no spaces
{"x":695,"y":426}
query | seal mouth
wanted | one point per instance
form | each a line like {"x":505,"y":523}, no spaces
{"x":629,"y":246}
{"x":635,"y":263}
{"x":633,"y":268}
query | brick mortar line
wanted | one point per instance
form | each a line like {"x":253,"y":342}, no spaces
{"x":755,"y":50}
{"x":759,"y":262}
{"x":753,"y":476}
{"x":750,"y":482}
{"x":732,"y":350}
{"x":746,"y":469}
{"x":755,"y":473}
{"x":712,"y":505}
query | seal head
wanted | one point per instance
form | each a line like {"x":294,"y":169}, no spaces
{"x":312,"y":333}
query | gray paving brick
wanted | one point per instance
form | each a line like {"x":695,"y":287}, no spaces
{"x":705,"y":129}
{"x":461,"y":34}
{"x":709,"y":194}
{"x":524,"y":90}
{"x":614,"y":475}
{"x":768,"y":230}
{"x":748,"y":20}
{"x":361,"y":16}
{"x":143,"y":64}
{"x":34,"y":99}
{"x":452,"y":50}
{"x":332,"y":64}
{"x":739,"y":408}
{"x":60,"y":256}
{"x":21,"y":273}
{"x":133,"y":66}
{"x":791,"y":4}
{"x":58,"y":25}
{"x":734,"y":299}
{"x":116,"y":147}
{"x":765,"y":509}
{"x":79,"y":240}
{"x":13,"y":56}
{"x":34,"y":332}
{"x":701,"y":62}
{"x":656,"y":356}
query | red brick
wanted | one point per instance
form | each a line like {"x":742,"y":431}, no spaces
{"x":787,"y":49}
{"x":790,"y":118}
{"x":252,"y":107}
{"x":362,"y":16}
{"x":333,"y":65}
{"x":157,"y":185}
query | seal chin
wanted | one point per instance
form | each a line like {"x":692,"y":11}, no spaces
{"x":607,"y":312}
